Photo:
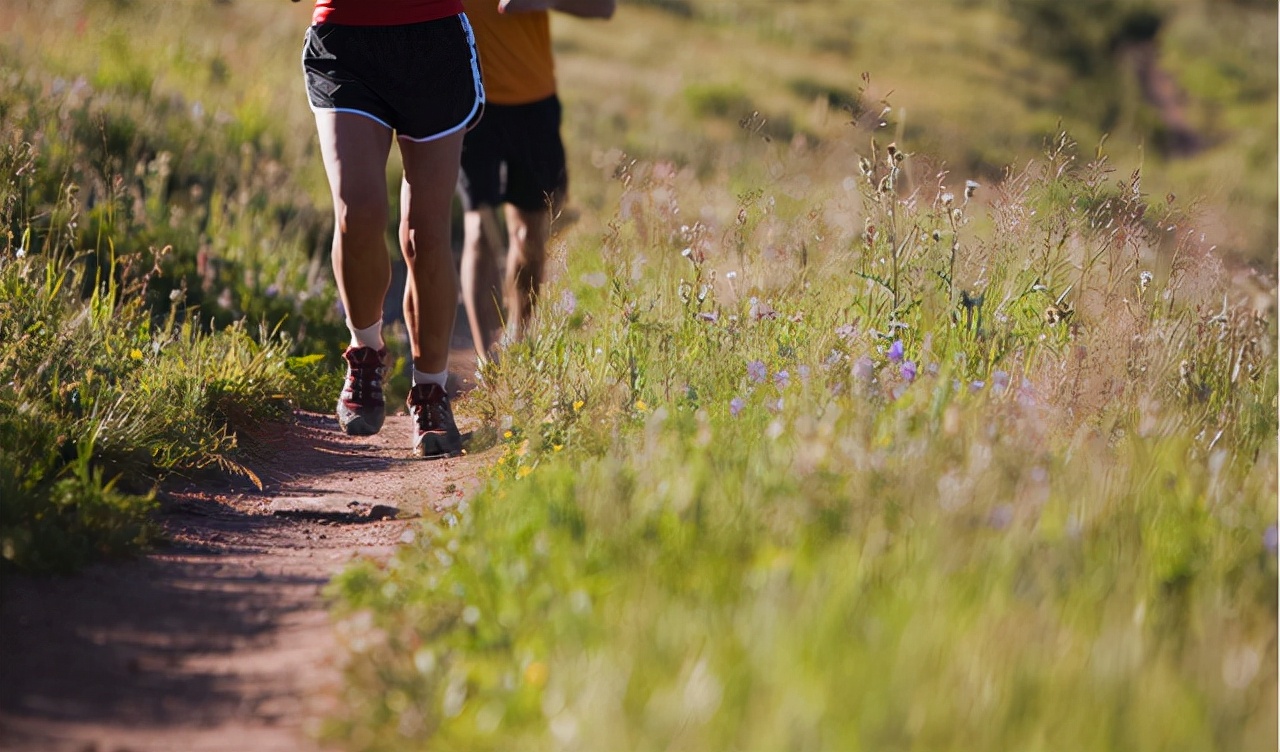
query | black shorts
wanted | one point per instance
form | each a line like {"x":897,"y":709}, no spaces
{"x":421,"y":80}
{"x":515,"y":156}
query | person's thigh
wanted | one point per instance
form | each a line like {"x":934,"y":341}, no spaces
{"x":430,"y":177}
{"x":355,"y":149}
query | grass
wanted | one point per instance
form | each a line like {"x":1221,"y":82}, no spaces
{"x":159,"y":303}
{"x":804,"y":451}
{"x":991,"y":472}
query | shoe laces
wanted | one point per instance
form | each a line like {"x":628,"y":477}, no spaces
{"x":430,"y":407}
{"x":364,"y":372}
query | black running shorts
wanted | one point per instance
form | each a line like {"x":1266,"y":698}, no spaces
{"x":514,"y":155}
{"x":421,"y":80}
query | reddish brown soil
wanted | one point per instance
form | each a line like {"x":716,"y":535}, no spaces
{"x":219,"y":639}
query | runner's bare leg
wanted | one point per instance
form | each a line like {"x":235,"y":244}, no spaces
{"x":481,"y":282}
{"x":431,"y":290}
{"x":528,"y":232}
{"x":355,"y":150}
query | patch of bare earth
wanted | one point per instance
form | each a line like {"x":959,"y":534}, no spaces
{"x":218,"y":639}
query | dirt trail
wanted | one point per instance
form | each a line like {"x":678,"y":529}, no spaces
{"x":218,"y":640}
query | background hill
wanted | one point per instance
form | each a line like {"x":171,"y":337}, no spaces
{"x":1184,"y":88}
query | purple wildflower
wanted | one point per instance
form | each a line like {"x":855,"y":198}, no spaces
{"x":909,"y":371}
{"x":711,"y":316}
{"x":1269,"y":539}
{"x":757,"y":372}
{"x":782,"y":379}
{"x":568,"y":302}
{"x":863,"y":369}
{"x":735,"y":406}
{"x":895,"y":351}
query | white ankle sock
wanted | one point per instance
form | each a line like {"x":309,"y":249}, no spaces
{"x":421,"y":377}
{"x":370,"y":336}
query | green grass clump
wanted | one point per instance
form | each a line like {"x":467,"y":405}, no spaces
{"x":100,"y":400}
{"x":899,"y":462}
{"x":158,"y":295}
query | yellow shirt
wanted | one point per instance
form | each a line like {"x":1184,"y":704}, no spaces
{"x":515,"y":53}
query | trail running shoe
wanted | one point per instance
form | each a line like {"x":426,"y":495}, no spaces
{"x":360,"y":406}
{"x":434,"y":432}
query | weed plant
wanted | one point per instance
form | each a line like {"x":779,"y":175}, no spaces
{"x":900,"y":461}
{"x":157,"y":305}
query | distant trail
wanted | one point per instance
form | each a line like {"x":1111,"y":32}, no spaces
{"x":219,"y":640}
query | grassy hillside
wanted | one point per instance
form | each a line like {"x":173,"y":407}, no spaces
{"x":963,"y":475}
{"x":814,"y":445}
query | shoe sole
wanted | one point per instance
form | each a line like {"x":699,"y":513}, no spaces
{"x":435,"y":451}
{"x":356,"y":424}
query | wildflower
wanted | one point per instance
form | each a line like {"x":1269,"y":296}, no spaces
{"x":535,"y":675}
{"x":731,"y":276}
{"x":895,"y":351}
{"x":711,"y":316}
{"x":20,"y":253}
{"x":804,"y":373}
{"x":568,"y":302}
{"x":135,"y":354}
{"x":782,"y":379}
{"x":909,"y":371}
{"x":1144,"y":280}
{"x":970,"y":187}
{"x":557,"y":447}
{"x":760,"y":310}
{"x":641,"y":406}
{"x":577,"y":405}
{"x":846,"y":331}
{"x":272,"y":290}
{"x":999,"y":381}
{"x":863,"y":369}
{"x":776,"y":406}
{"x":977,"y":385}
{"x":1269,"y":539}
{"x":757,"y":372}
{"x":735,"y":406}
{"x":948,"y":199}
{"x":524,"y":471}
{"x":507,"y":434}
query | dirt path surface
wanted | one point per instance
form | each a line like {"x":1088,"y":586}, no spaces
{"x":219,"y":639}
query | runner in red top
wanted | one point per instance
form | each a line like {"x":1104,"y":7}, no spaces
{"x":383,"y":13}
{"x":376,"y":71}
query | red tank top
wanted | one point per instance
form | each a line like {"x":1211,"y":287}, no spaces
{"x":383,"y":12}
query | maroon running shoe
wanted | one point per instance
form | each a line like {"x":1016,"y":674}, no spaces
{"x":360,"y":406}
{"x":434,"y":432}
